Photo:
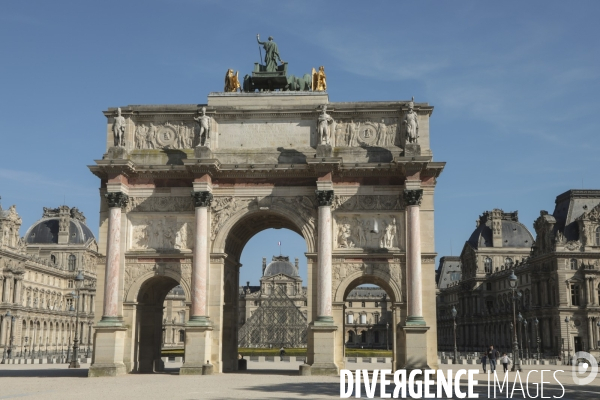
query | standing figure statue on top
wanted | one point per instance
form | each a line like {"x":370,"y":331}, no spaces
{"x":271,"y":54}
{"x":411,"y":121}
{"x":204,"y":122}
{"x":323,"y":126}
{"x":119,"y":129}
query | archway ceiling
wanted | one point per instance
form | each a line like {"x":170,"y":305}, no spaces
{"x":249,"y":226}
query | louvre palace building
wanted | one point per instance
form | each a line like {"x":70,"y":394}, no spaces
{"x":273,"y":313}
{"x":37,"y":283}
{"x":558,"y":286}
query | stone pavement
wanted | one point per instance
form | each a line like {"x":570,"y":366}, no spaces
{"x":58,"y":382}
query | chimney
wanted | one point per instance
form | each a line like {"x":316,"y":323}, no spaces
{"x":296,"y":264}
{"x":247,"y":283}
{"x":64,"y":214}
{"x":496,"y":215}
{"x":264,"y":265}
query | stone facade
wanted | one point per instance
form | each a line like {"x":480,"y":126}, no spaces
{"x":558,"y":277}
{"x":363,"y":203}
{"x":37,"y":274}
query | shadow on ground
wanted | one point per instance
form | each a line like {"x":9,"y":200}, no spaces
{"x":45,"y":373}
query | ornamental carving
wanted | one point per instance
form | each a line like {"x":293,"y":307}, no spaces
{"x":370,"y":202}
{"x":573,"y":245}
{"x":176,"y":135}
{"x":116,"y":199}
{"x":222,"y":208}
{"x":324,"y":197}
{"x":166,"y":233}
{"x":392,"y":271}
{"x":413,"y":197}
{"x":380,"y":132}
{"x":202,"y":199}
{"x":367,"y":232}
{"x":160,"y":204}
{"x":134,"y":271}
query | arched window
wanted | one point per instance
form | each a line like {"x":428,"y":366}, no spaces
{"x":376,"y":336}
{"x":508,"y":262}
{"x":573,"y":263}
{"x":598,"y":236}
{"x":488,"y":265}
{"x":350,"y":337}
{"x":350,"y":319}
{"x":363,"y":318}
{"x":363,"y":337}
{"x":72,"y":262}
{"x":182,"y":336}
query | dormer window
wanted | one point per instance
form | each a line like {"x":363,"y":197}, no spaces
{"x":488,"y":265}
{"x":72,"y":262}
{"x":508,"y":262}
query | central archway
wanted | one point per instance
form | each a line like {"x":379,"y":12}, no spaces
{"x":230,"y":242}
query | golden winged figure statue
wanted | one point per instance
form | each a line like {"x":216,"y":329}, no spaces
{"x":232,"y":83}
{"x":319,"y":80}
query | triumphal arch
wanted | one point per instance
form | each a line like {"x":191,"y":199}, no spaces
{"x":184,"y":187}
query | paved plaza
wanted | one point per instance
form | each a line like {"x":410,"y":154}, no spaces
{"x":59,"y":382}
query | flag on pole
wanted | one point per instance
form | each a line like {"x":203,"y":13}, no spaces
{"x":279,"y":243}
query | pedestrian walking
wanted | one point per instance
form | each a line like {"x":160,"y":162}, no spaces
{"x":492,"y":355}
{"x":505,"y":361}
{"x":483,"y":361}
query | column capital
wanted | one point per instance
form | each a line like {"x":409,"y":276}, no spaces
{"x":413,"y":197}
{"x":116,"y":199}
{"x":202,"y":198}
{"x":324,"y":197}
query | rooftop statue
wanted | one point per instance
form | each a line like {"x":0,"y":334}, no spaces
{"x":119,"y":129}
{"x":319,"y":83}
{"x":232,"y":82}
{"x":204,"y":122}
{"x":271,"y":53}
{"x":411,"y":121}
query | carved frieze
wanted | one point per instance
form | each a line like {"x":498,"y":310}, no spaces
{"x":168,"y":135}
{"x":161,"y":233}
{"x":160,"y":204}
{"x":370,"y":202}
{"x":381,"y":132}
{"x":222,"y":208}
{"x":367,"y":231}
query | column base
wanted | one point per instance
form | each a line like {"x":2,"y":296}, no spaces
{"x":109,"y":344}
{"x":414,"y":353}
{"x":197,"y":348}
{"x":415,"y":321}
{"x":111,"y":321}
{"x":199,"y":321}
{"x":322,"y":347}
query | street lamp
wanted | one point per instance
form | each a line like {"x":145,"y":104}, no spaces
{"x":526,"y":340}
{"x":10,"y":318}
{"x":512,"y":281}
{"x":568,"y":341}
{"x":387,"y":335}
{"x":537,"y":336}
{"x":454,"y":312}
{"x":78,"y":284}
{"x":521,"y":344}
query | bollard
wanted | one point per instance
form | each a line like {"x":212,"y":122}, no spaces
{"x":207,"y":369}
{"x":304,"y":370}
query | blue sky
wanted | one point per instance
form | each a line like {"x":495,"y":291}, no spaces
{"x":514,"y":85}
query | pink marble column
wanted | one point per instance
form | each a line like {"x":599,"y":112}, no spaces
{"x":324,"y":315}
{"x":116,"y":200}
{"x":414,"y":279}
{"x":198,"y":312}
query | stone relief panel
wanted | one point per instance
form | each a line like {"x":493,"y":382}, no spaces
{"x":364,"y":203}
{"x":134,"y":270}
{"x":380,"y":132}
{"x":168,"y":135}
{"x":160,"y":204}
{"x":374,"y":231}
{"x":393,"y":270}
{"x":161,"y":233}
